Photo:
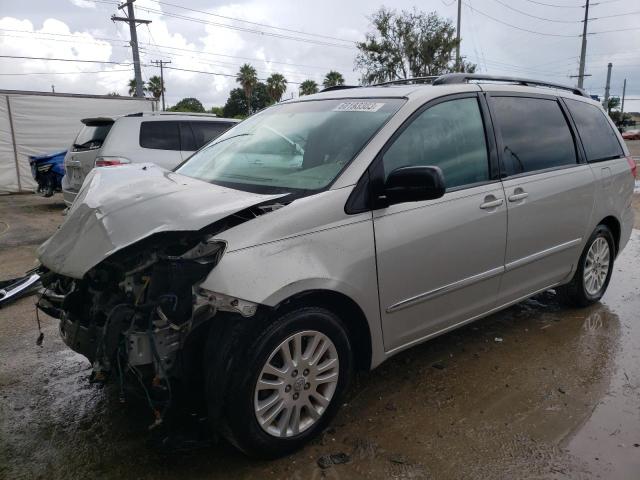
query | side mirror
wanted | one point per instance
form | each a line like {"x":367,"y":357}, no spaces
{"x":413,"y":184}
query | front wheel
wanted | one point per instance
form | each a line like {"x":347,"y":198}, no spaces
{"x":594,"y":270}
{"x":290,"y":383}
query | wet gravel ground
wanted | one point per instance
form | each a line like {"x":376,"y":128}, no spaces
{"x":536,"y":391}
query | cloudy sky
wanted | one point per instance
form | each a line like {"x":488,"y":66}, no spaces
{"x":530,"y":38}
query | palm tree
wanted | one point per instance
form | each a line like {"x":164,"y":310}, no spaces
{"x":155,"y":86}
{"x":308,"y":87}
{"x":132,"y":87}
{"x":276,"y":86}
{"x":332,"y":79}
{"x":248,"y":79}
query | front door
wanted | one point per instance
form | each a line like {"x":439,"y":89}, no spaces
{"x":440,"y":261}
{"x":549,"y":193}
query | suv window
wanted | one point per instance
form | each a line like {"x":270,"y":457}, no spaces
{"x":449,"y":135}
{"x":91,"y":136}
{"x":599,"y":140}
{"x":204,"y":132}
{"x":161,"y":135}
{"x":535,"y":134}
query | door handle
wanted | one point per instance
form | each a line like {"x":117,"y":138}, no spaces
{"x":489,"y":204}
{"x":518,"y":194}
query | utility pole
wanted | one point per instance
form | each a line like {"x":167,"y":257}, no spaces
{"x":583,"y":51}
{"x":133,"y":23}
{"x":161,"y":63}
{"x":458,"y":36}
{"x":624,"y":91}
{"x":607,"y":87}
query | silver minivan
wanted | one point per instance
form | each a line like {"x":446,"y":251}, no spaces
{"x":163,"y":138}
{"x":326,"y":234}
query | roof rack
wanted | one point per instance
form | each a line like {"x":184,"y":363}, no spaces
{"x":407,"y":81}
{"x":338,"y":87}
{"x":454,"y":78}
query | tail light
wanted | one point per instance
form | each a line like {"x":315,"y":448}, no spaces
{"x":111,"y":161}
{"x":633,"y":166}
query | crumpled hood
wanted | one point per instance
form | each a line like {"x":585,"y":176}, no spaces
{"x":119,"y":206}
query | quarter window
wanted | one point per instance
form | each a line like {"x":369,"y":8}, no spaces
{"x":160,"y":135}
{"x":449,"y":135}
{"x":535,"y":134}
{"x":204,"y":132}
{"x":599,"y":140}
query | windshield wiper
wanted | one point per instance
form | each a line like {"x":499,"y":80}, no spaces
{"x":298,"y":148}
{"x":229,"y":138}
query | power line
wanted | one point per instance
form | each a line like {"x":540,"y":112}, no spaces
{"x":215,"y":73}
{"x":534,"y":16}
{"x":118,"y":40}
{"x":235,"y":19}
{"x":66,"y":60}
{"x":617,"y":30}
{"x":616,"y":15}
{"x":65,"y":73}
{"x":247,"y":30}
{"x":256,"y":23}
{"x":516,"y":27}
{"x":554,"y":5}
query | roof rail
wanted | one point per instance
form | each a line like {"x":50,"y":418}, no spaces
{"x":338,"y":87}
{"x":453,"y":78}
{"x":407,"y":81}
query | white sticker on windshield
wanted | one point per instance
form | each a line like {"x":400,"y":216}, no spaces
{"x":358,"y":107}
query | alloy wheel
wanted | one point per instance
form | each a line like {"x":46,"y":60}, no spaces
{"x":596,"y":267}
{"x":296,"y":384}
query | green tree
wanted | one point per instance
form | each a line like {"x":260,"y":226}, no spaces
{"x":236,"y":105}
{"x":247,"y":77}
{"x":132,"y":87}
{"x":333,"y":79}
{"x":308,"y":87}
{"x":408,"y":44}
{"x":613,"y":103}
{"x":276,"y":86}
{"x":188,"y":104}
{"x":155,"y":87}
{"x":218,"y":111}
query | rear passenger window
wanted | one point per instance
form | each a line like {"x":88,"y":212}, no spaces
{"x":160,"y":135}
{"x":535,"y":134}
{"x":449,"y":135}
{"x":599,"y":140}
{"x":204,"y":132}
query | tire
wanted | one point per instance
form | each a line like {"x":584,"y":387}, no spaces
{"x":580,"y":292}
{"x":249,"y":418}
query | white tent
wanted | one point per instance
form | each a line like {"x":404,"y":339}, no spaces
{"x":37,"y":123}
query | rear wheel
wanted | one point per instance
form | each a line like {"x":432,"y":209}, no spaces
{"x":594,"y":270}
{"x":289,"y":384}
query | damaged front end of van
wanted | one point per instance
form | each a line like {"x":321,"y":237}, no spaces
{"x":122,"y":273}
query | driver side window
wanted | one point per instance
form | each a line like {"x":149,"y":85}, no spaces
{"x":449,"y":135}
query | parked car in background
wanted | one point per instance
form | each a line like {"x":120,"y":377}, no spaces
{"x":48,"y":170}
{"x":163,"y":138}
{"x":327,"y":234}
{"x":631,"y":135}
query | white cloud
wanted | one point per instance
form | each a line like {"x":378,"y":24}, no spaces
{"x":83,"y":4}
{"x":211,"y":48}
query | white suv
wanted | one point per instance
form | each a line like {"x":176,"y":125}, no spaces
{"x":163,"y":138}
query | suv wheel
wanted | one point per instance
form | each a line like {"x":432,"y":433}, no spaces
{"x":289,"y":383}
{"x":594,"y":270}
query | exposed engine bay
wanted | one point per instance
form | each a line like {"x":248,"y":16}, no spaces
{"x":132,"y":314}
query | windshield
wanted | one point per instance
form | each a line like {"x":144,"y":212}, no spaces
{"x":91,"y":136}
{"x":289,"y":147}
